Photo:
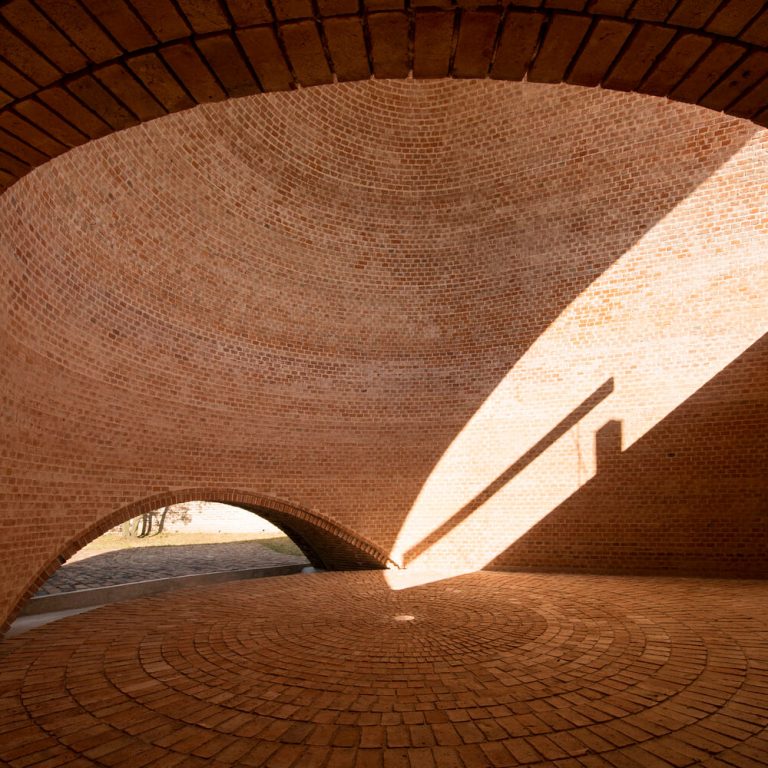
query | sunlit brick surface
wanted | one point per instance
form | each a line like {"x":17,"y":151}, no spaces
{"x":482,"y":671}
{"x":454,"y":322}
{"x":77,"y":70}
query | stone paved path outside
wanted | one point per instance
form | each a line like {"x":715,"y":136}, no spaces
{"x":336,"y":670}
{"x":140,"y":563}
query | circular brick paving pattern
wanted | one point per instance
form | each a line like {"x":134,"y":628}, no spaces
{"x":489,"y":669}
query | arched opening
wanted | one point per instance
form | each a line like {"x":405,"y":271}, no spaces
{"x":78,"y":71}
{"x":325,"y":543}
{"x":193,"y":538}
{"x":248,"y":295}
{"x":318,"y":292}
{"x":181,"y":546}
{"x":458,"y":321}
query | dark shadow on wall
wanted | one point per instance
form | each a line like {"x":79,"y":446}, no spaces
{"x":532,"y":299}
{"x":689,"y":498}
{"x":376,"y":464}
{"x":573,"y":418}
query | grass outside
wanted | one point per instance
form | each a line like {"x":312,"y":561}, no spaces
{"x":111,"y":542}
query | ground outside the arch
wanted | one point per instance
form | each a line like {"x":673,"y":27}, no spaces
{"x":336,"y":669}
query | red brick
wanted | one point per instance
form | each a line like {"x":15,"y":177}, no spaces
{"x":561,"y":42}
{"x":163,"y":18}
{"x":712,"y":66}
{"x":226,"y":61}
{"x":517,"y":45}
{"x":81,"y":28}
{"x":346,"y":45}
{"x":675,"y":64}
{"x":432,"y":44}
{"x":305,"y":52}
{"x":475,"y":43}
{"x":43,"y":35}
{"x":120,"y":20}
{"x":39,"y":115}
{"x":185,"y":62}
{"x":159,"y":81}
{"x":603,"y":45}
{"x":122,"y":84}
{"x":638,"y":57}
{"x":389,"y":42}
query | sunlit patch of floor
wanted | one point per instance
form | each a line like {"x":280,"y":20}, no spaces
{"x":332,"y":669}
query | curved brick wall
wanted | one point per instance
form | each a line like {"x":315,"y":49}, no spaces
{"x":76,"y":70}
{"x":413,"y":308}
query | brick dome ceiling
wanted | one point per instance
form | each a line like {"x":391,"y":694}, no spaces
{"x":368,"y":301}
{"x":412,"y":223}
{"x":73,"y":70}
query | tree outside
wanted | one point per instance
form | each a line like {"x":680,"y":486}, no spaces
{"x":153,"y":523}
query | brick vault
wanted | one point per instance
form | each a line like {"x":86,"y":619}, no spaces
{"x":417,"y":321}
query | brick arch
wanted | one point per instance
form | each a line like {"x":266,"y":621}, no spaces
{"x":325,"y":542}
{"x":78,"y":71}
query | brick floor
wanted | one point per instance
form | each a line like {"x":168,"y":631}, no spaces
{"x":327,"y":670}
{"x":139,"y":563}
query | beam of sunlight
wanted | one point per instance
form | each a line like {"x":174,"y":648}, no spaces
{"x":672,"y":312}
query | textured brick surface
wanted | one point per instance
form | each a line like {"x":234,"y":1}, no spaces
{"x":235,"y":47}
{"x":431,"y":321}
{"x":107,"y":569}
{"x":488,"y":670}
